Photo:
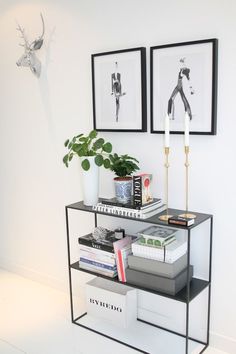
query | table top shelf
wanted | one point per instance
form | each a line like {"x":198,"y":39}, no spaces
{"x":200,"y":217}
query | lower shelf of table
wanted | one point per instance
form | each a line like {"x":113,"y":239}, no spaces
{"x":196,"y":286}
{"x":142,"y":337}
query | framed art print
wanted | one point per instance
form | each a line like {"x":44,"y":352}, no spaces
{"x":184,"y":79}
{"x":119,"y":90}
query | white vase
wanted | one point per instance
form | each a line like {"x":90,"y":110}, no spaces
{"x":90,"y":182}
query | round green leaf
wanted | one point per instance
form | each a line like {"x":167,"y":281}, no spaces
{"x":85,"y":164}
{"x":82,"y":151}
{"x":107,"y":147}
{"x":99,"y":160}
{"x":66,"y":142}
{"x":71,"y":156}
{"x":65,"y":160}
{"x":98,"y":144}
{"x":93,"y":134}
{"x":76,"y":147}
{"x":106,"y":163}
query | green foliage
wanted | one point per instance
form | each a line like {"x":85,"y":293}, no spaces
{"x":82,"y":146}
{"x":123,"y":165}
{"x":91,"y":145}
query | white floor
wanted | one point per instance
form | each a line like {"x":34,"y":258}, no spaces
{"x":35,"y":319}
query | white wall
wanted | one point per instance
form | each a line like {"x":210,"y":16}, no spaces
{"x":37,"y":115}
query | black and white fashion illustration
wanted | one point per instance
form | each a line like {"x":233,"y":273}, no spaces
{"x":183,"y":73}
{"x":116,"y":89}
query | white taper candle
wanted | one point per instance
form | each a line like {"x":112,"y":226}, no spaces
{"x":186,"y":129}
{"x":167,"y":130}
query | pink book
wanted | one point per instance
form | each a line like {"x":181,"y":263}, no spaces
{"x":121,"y":247}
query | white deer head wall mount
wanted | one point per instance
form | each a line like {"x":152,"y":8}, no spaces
{"x":29,"y":59}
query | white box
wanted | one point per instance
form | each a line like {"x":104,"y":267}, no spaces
{"x":111,"y":301}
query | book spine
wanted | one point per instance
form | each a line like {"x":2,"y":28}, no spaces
{"x":96,"y":252}
{"x":178,"y":222}
{"x":137,"y":190}
{"x":157,"y":241}
{"x":97,"y":270}
{"x":149,"y":252}
{"x":133,"y":213}
{"x":97,"y":257}
{"x":122,"y":271}
{"x":148,"y":206}
{"x":97,"y":264}
{"x":95,"y":245}
{"x":118,"y":262}
{"x":107,"y":203}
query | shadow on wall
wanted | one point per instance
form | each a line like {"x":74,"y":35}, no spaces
{"x":43,"y":83}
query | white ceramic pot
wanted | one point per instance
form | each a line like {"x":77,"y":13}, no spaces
{"x":90,"y":182}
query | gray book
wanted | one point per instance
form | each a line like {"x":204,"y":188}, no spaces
{"x":155,"y":282}
{"x":168,"y":270}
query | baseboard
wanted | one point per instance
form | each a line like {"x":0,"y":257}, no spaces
{"x":223,"y":343}
{"x":34,"y":275}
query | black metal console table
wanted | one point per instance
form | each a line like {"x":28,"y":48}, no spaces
{"x":193,"y":288}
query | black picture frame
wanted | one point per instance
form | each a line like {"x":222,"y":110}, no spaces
{"x":198,"y":59}
{"x":119,"y":90}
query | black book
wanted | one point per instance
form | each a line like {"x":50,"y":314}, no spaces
{"x":114,"y":202}
{"x":104,"y":245}
{"x":180,"y":220}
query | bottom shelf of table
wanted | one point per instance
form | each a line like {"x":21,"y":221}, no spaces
{"x":143,"y":337}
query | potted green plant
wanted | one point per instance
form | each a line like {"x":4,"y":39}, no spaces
{"x":123,"y":166}
{"x":93,"y":152}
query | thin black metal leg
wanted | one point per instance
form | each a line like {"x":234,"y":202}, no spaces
{"x":95,"y":219}
{"x":209,"y":288}
{"x":188,"y":293}
{"x":69,"y":263}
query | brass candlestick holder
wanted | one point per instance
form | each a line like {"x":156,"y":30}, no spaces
{"x":187,"y":214}
{"x":166,"y":216}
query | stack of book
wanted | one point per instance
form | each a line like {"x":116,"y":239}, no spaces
{"x":107,"y":256}
{"x":159,"y":261}
{"x":132,"y":210}
{"x":98,"y":255}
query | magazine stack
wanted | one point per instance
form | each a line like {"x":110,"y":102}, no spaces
{"x":97,"y":255}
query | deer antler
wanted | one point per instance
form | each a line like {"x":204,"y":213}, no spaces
{"x":37,"y":43}
{"x":22,"y":32}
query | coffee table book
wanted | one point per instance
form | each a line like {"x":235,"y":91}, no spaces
{"x":157,"y":235}
{"x":169,"y":253}
{"x":150,"y":205}
{"x":128,"y":212}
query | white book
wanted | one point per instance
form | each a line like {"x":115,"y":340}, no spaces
{"x":132,"y":213}
{"x":95,"y":260}
{"x":97,"y":270}
{"x":97,"y":252}
{"x":96,"y":257}
{"x":168,"y":254}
